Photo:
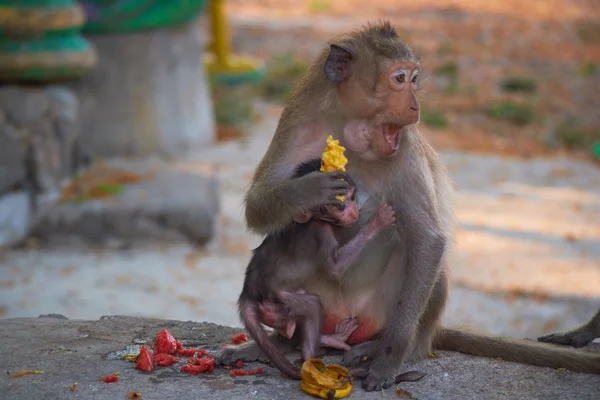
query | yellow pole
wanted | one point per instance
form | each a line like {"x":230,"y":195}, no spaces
{"x":220,"y":45}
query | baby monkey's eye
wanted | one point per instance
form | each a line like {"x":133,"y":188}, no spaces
{"x":401,"y":78}
{"x":415,"y":78}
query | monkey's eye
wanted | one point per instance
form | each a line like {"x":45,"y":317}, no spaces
{"x":400,"y":78}
{"x":415,"y":78}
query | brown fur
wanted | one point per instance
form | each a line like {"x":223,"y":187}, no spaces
{"x":399,"y":282}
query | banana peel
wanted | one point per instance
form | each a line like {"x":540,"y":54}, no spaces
{"x":326,"y":382}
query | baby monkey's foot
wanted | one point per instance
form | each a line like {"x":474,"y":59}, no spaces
{"x":341,"y":333}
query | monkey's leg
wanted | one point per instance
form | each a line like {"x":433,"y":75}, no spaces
{"x":579,"y":337}
{"x":250,"y":351}
{"x":307,"y":308}
{"x":430,"y":319}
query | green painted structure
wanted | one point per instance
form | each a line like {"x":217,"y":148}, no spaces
{"x":108,"y":16}
{"x":40,"y":41}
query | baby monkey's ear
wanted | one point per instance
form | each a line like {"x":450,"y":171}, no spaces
{"x":303,"y":217}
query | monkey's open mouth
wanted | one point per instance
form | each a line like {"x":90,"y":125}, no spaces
{"x":391,"y":133}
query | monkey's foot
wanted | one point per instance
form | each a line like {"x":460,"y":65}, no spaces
{"x":246,"y":352}
{"x":375,"y":382}
{"x":360,"y":354}
{"x":577,"y":338}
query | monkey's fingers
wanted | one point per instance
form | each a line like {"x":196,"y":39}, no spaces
{"x":334,"y":342}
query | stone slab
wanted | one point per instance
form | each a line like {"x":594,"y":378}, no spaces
{"x":76,"y":351}
{"x":178,"y":203}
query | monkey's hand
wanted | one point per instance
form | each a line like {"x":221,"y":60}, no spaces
{"x":383,"y":217}
{"x":317,"y":189}
{"x":577,"y":338}
{"x":247,"y":352}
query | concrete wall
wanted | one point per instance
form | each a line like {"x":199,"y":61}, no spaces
{"x":148,"y":95}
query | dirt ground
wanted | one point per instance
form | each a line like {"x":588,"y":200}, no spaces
{"x":467,"y":50}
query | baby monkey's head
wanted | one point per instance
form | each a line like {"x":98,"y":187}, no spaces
{"x":343,"y":214}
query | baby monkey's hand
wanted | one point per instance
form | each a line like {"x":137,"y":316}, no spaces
{"x":383,"y":217}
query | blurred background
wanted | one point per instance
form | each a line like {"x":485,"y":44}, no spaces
{"x":130,"y":129}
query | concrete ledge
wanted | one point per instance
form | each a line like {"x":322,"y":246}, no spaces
{"x":177,"y":203}
{"x":76,"y":351}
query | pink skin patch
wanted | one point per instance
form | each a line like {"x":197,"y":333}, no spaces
{"x":367,"y":328}
{"x":391,"y":132}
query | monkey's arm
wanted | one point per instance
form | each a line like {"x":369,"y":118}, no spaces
{"x":578,"y":337}
{"x":424,"y":244}
{"x":337,"y":259}
{"x":273,"y":201}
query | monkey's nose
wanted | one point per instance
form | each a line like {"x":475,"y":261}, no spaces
{"x":415,"y":108}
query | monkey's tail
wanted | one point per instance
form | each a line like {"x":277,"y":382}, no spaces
{"x":250,"y":316}
{"x":516,"y":350}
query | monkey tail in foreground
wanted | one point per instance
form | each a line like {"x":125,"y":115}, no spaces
{"x":249,"y":313}
{"x":515,"y":350}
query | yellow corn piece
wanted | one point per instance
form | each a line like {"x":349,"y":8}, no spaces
{"x":333,"y":159}
{"x":326,"y":382}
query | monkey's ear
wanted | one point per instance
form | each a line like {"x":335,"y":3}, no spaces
{"x":302,"y":217}
{"x":337,"y":65}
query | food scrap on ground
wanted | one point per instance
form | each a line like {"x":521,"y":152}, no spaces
{"x":165,"y":343}
{"x":134,"y":395}
{"x":145,"y":362}
{"x":73,"y":387}
{"x":199,"y":365}
{"x":326,"y":382}
{"x":333,"y":159}
{"x":166,"y":346}
{"x":240,"y":338}
{"x":110,"y":378}
{"x":164,"y":360}
{"x":240,"y":372}
{"x":25,"y":372}
{"x":187,"y":352}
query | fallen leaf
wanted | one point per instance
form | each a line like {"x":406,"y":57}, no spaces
{"x":123,"y":280}
{"x":540,"y":298}
{"x":67,"y":271}
{"x":191,"y":300}
{"x":73,"y":387}
{"x":432,"y":355}
{"x":550,"y":326}
{"x":134,"y":395}
{"x":191,"y":259}
{"x":402,"y":394}
{"x":561,"y":173}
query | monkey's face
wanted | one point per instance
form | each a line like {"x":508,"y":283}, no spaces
{"x":391,"y":108}
{"x":345,"y":216}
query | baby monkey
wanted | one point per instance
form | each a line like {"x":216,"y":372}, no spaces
{"x":285,"y":263}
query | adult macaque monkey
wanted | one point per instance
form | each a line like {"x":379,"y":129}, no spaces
{"x":579,"y":337}
{"x":361,"y":89}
